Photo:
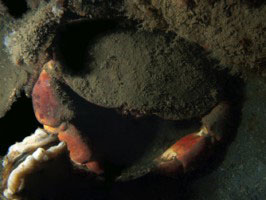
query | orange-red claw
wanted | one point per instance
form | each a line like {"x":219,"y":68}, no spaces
{"x":181,"y":156}
{"x":46,"y":105}
{"x":79,"y":150}
{"x":50,"y":112}
{"x":94,"y":167}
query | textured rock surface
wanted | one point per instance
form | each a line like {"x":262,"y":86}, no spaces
{"x":13,"y":78}
{"x":232,"y":30}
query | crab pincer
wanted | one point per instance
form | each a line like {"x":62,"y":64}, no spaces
{"x":56,"y":115}
{"x":182,"y":155}
{"x":47,"y":107}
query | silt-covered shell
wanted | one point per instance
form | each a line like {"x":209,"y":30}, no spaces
{"x":147,"y":73}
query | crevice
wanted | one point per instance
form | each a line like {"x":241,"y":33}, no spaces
{"x":16,"y":8}
{"x":72,"y":41}
{"x":18,"y":123}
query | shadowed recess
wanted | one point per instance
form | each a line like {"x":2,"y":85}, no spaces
{"x":18,"y":123}
{"x":72,"y":40}
{"x":16,"y":8}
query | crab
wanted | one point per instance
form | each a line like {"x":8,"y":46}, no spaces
{"x":155,"y":78}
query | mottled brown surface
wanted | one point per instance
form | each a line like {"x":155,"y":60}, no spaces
{"x":232,"y":30}
{"x":147,"y":74}
{"x":13,"y":78}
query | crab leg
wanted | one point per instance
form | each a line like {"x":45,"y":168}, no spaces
{"x":55,"y":116}
{"x":182,"y":155}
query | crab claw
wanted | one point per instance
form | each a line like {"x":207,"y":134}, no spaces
{"x":47,"y":106}
{"x":183,"y":155}
{"x":79,"y":148}
{"x":55,"y":116}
